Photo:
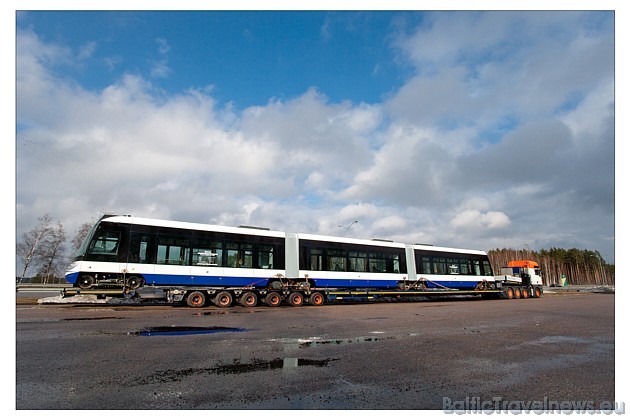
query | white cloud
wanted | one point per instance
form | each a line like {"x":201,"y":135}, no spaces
{"x":475,"y":221}
{"x":423,"y":166}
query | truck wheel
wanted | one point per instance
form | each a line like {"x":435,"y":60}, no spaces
{"x":509,"y":293}
{"x":517,"y":293}
{"x":525,"y":292}
{"x":316,"y":299}
{"x":196,"y":299}
{"x":273,"y":299}
{"x":296,"y":299}
{"x":537,"y":292}
{"x":248,"y":299}
{"x":223,"y":299}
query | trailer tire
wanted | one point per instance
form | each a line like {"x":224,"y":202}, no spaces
{"x":296,"y":299}
{"x":509,"y":293}
{"x":248,"y":299}
{"x":537,"y":292}
{"x":525,"y":293}
{"x":273,"y":299}
{"x":223,"y":299}
{"x":517,"y":293}
{"x":196,"y":299}
{"x":316,"y":299}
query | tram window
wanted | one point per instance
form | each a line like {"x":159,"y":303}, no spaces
{"x":265,"y":256}
{"x":426,"y":265}
{"x":439,"y":266}
{"x":316,"y":257}
{"x":140,"y":246}
{"x":104,"y":247}
{"x":208,"y":254}
{"x":336,"y":260}
{"x":239,"y":255}
{"x":393,"y":264}
{"x":453,"y":266}
{"x":476,"y":267}
{"x":464,"y":266}
{"x":173,"y":251}
{"x":378,"y":263}
{"x":358,"y":261}
{"x":487,"y":268}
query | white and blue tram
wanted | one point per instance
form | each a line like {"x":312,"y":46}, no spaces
{"x":132,"y":252}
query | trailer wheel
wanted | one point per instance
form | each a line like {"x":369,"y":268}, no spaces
{"x":223,"y":299}
{"x":296,"y":299}
{"x":273,"y":299}
{"x":316,"y":299}
{"x":86,"y":281}
{"x":525,"y":292}
{"x":248,"y":299}
{"x":196,"y":299}
{"x":509,"y":293}
{"x":537,"y":292}
{"x":517,"y":293}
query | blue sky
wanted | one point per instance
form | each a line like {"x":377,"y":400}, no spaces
{"x":467,"y":129}
{"x":245,"y":57}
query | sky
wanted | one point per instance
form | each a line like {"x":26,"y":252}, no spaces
{"x":466,"y":129}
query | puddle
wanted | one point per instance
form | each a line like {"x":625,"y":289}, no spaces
{"x":315,"y":343}
{"x":235,"y":368}
{"x":176,"y":331}
{"x":319,"y":341}
{"x":559,"y":339}
{"x":93,"y":319}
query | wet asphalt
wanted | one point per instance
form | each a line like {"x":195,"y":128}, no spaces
{"x":410,"y":355}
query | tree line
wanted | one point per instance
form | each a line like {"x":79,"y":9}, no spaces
{"x":44,"y":254}
{"x":578,"y":266}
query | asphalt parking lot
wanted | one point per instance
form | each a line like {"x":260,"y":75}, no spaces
{"x":408,"y":355}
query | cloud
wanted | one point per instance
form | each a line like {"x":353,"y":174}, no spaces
{"x":474,"y":221}
{"x":502,"y":135}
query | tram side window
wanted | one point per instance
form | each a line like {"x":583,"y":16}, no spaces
{"x":265,"y":256}
{"x":140,"y":246}
{"x":439,"y":266}
{"x":452,"y":265}
{"x":426,"y":265}
{"x":358,"y":261}
{"x":336,"y":260}
{"x":104,"y":247}
{"x":476,"y":267}
{"x":207,"y":253}
{"x":464,"y":266}
{"x":239,"y":255}
{"x":316,"y":259}
{"x":487,"y":268}
{"x":173,"y":251}
{"x":393,"y":264}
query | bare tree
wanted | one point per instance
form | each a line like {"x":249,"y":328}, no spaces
{"x":52,"y":250}
{"x":82,"y":232}
{"x":29,"y":249}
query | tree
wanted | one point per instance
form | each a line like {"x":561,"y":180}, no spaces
{"x":29,"y":250}
{"x":82,"y":232}
{"x":52,"y":251}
